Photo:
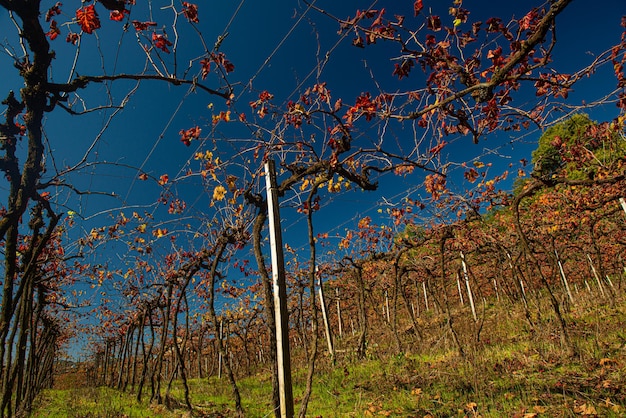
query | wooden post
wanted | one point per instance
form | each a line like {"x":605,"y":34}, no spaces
{"x":387,"y":306}
{"x":329,"y":337}
{"x":458,"y":286}
{"x":565,"y":283}
{"x":339,"y":313}
{"x":219,"y":355}
{"x":417,"y":303}
{"x":469,"y":290}
{"x":521,"y":284}
{"x":495,"y":286}
{"x":595,"y":274}
{"x":280,"y":294}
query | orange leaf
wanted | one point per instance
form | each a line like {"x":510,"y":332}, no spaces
{"x":88,"y":18}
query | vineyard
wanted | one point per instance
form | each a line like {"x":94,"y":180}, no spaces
{"x":415,"y":210}
{"x":514,"y":370}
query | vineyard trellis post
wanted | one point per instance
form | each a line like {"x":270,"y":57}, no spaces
{"x":280,"y":294}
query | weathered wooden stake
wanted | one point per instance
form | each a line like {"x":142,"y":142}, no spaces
{"x":595,"y":274}
{"x":521,"y":284}
{"x":387,"y":306}
{"x":329,"y":337}
{"x":458,"y":286}
{"x":219,"y":355}
{"x":417,"y":303}
{"x":495,"y":287}
{"x":280,"y":294}
{"x":565,"y":283}
{"x":469,"y":290}
{"x":339,"y":313}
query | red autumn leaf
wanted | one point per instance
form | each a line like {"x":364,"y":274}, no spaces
{"x":494,"y":24}
{"x":139,"y":26}
{"x":71,"y":38}
{"x":163,"y":179}
{"x":54,"y":31}
{"x":437,"y":149}
{"x":530,"y":20}
{"x":118,"y":15}
{"x":143,"y":176}
{"x":264,"y":96}
{"x":88,"y":18}
{"x":190,"y":11}
{"x":495,"y":55}
{"x":53,"y":11}
{"x":176,"y":207}
{"x":206,"y":67}
{"x":220,"y":59}
{"x":471,"y":175}
{"x":187,"y":135}
{"x":417,"y":7}
{"x":402,"y":70}
{"x":161,"y":42}
{"x":435,"y":184}
{"x":365,"y":106}
{"x":21,"y":128}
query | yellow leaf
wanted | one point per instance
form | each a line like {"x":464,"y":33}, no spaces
{"x":219,"y":193}
{"x":417,"y":392}
{"x":585,"y":409}
{"x":603,"y":362}
{"x":471,"y":406}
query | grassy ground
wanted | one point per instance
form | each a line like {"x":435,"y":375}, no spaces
{"x":514,"y":370}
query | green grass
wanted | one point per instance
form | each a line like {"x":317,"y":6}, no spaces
{"x":510,"y":372}
{"x":98,"y":402}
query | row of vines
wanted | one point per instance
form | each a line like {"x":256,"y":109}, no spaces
{"x":176,"y":291}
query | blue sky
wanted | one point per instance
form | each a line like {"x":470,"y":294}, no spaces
{"x":274,"y":47}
